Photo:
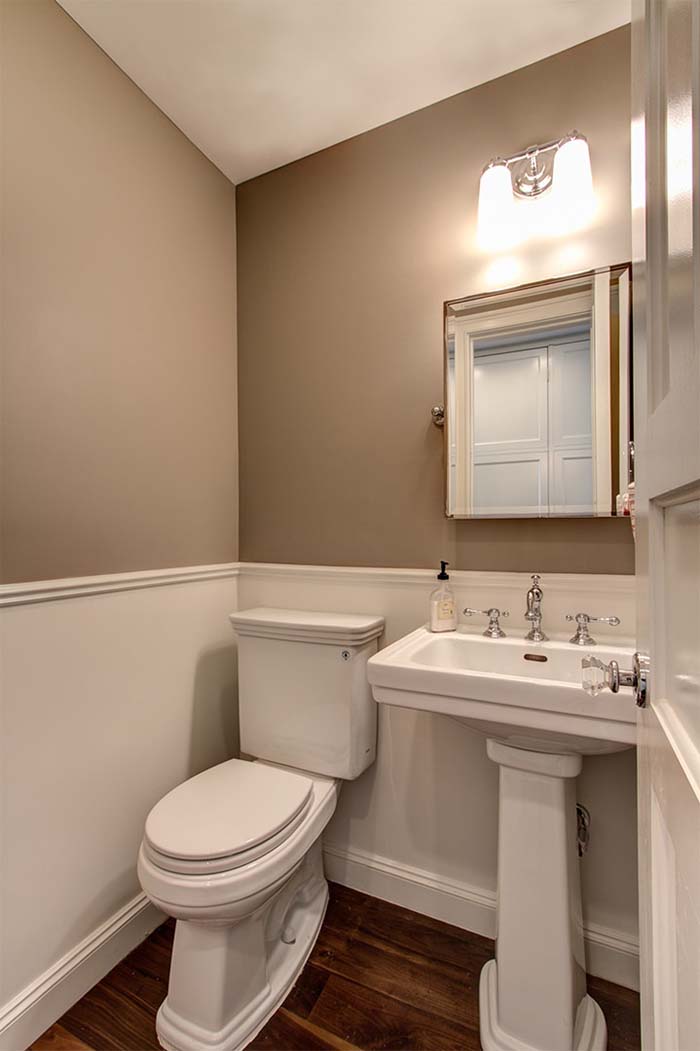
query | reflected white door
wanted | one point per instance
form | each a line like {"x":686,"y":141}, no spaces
{"x":666,"y":281}
{"x":510,"y":433}
{"x":532,"y":436}
{"x":570,"y":429}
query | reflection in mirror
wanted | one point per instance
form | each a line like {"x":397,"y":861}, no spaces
{"x":537,"y":391}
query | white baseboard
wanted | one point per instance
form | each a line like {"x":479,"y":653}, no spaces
{"x":610,"y":954}
{"x":39,"y":1004}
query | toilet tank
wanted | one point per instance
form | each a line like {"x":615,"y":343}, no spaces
{"x":304,"y":700}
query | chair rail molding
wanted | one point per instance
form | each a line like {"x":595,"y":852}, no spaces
{"x":22,"y":594}
{"x":74,"y":587}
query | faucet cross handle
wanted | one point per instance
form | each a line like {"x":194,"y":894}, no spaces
{"x":494,"y":630}
{"x":583,"y":636}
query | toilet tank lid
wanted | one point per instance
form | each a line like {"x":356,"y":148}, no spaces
{"x":303,"y":625}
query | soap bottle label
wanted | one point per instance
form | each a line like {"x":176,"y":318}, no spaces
{"x":446,"y":609}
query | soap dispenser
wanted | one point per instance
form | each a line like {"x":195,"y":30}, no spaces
{"x":443,"y":609}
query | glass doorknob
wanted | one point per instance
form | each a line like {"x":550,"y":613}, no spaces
{"x":597,"y":676}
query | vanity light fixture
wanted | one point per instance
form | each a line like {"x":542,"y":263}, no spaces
{"x":561,"y":169}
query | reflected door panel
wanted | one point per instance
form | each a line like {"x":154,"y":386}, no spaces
{"x":570,"y":394}
{"x":511,"y":486}
{"x":571,"y":428}
{"x":510,"y":400}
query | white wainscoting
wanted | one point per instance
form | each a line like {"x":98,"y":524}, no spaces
{"x":420,"y":827}
{"x":116,"y":688}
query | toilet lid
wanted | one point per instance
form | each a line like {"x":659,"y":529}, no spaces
{"x":229,"y":809}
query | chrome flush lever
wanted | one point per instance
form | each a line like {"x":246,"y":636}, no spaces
{"x":494,"y":630}
{"x":598,"y":676}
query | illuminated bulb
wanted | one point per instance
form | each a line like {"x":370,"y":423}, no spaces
{"x":572,"y":185}
{"x":496,"y":229}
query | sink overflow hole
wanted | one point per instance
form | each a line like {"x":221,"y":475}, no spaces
{"x":535,"y":657}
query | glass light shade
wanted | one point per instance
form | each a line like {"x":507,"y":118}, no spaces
{"x":496,"y":229}
{"x":572,"y":184}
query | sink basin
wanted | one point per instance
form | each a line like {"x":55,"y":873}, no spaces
{"x":528,"y":694}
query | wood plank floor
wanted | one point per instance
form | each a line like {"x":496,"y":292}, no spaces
{"x":380,"y":977}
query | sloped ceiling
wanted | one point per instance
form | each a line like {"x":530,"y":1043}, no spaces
{"x":256,"y":84}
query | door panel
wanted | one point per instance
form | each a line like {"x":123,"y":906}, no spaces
{"x":571,"y":428}
{"x":571,"y":484}
{"x":571,"y":419}
{"x":682,"y":644}
{"x":510,"y":401}
{"x":504,"y":484}
{"x":666,"y":320}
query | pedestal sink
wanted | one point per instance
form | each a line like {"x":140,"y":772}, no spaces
{"x":528,"y":699}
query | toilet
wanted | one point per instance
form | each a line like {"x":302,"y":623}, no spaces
{"x":234,"y":854}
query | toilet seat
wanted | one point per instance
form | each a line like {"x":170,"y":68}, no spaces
{"x":226,"y":817}
{"x":234,"y":891}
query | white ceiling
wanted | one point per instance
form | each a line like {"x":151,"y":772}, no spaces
{"x":258,"y":83}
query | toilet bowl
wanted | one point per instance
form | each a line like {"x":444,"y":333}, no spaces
{"x":249,"y":883}
{"x":234,"y":854}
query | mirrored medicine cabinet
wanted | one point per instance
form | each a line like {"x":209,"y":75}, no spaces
{"x":537,"y":398}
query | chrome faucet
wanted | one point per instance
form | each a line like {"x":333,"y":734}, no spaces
{"x":533,"y":612}
{"x":494,"y":630}
{"x":583,"y":636}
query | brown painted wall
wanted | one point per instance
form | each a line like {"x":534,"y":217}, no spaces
{"x":118,"y":341}
{"x":345,"y":258}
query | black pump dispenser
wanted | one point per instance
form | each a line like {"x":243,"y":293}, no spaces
{"x":442,"y":606}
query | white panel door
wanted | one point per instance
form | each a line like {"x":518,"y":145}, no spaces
{"x":510,"y":433}
{"x":666,"y":320}
{"x":570,"y":428}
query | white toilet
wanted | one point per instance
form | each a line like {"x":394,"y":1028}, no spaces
{"x":235,"y":852}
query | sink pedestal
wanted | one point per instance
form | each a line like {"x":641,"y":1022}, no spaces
{"x":533,"y":995}
{"x":527,"y":699}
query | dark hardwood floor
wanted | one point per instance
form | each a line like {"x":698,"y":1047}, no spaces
{"x":380,"y":977}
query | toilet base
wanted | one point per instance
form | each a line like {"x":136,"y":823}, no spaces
{"x":590,"y":1031}
{"x":250,"y":972}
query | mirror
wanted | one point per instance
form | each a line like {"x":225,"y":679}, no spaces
{"x":537,"y":399}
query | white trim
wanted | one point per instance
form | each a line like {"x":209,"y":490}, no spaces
{"x":452,"y":901}
{"x":561,"y":582}
{"x":74,"y":587}
{"x":610,"y":954}
{"x":600,"y":386}
{"x":40,"y":1003}
{"x":464,"y":420}
{"x":624,"y":379}
{"x":664,"y":928}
